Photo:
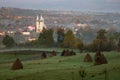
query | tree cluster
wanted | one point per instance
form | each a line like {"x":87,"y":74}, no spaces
{"x":46,"y":38}
{"x":102,"y":42}
{"x":8,"y":41}
{"x":67,"y":39}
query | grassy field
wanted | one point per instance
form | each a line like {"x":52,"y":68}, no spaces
{"x":59,"y":68}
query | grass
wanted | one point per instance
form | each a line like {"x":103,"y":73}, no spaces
{"x":59,"y":68}
{"x":35,"y":49}
{"x":6,"y":58}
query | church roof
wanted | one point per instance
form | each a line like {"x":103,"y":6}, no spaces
{"x":41,"y":18}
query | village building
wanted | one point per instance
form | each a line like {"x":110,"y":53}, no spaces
{"x":40,"y":25}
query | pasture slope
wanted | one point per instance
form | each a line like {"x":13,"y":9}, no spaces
{"x":59,"y":68}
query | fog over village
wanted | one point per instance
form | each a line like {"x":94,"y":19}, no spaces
{"x":83,"y":24}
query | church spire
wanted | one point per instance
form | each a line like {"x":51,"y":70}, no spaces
{"x":40,"y":24}
{"x":37,"y":18}
{"x":41,"y":18}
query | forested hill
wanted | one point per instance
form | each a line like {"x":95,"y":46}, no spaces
{"x":30,"y":12}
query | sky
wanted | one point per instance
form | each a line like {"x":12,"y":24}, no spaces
{"x":79,"y":5}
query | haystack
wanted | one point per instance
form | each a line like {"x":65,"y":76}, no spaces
{"x":53,"y":53}
{"x":88,"y":58}
{"x":98,"y":53}
{"x":17,"y":65}
{"x":63,"y":52}
{"x":67,"y":53}
{"x":100,"y":59}
{"x":43,"y":55}
{"x":104,"y":60}
{"x":72,"y":53}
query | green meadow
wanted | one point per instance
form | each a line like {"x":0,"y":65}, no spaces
{"x":59,"y":67}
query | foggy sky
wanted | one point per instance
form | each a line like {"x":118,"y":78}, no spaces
{"x":80,"y":5}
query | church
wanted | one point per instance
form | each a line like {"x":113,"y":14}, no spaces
{"x":40,"y":25}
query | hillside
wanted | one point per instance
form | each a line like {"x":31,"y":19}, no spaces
{"x":60,"y":68}
{"x":22,"y":17}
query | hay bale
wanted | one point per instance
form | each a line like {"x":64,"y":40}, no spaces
{"x":72,"y":53}
{"x":104,"y":60}
{"x":43,"y":55}
{"x":98,"y":53}
{"x":67,"y":53}
{"x":53,"y":53}
{"x":118,"y":46}
{"x":88,"y":58}
{"x":17,"y":65}
{"x":100,"y":59}
{"x":63,"y":52}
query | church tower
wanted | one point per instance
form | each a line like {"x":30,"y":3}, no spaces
{"x":40,"y":24}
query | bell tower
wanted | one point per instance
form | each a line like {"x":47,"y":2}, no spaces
{"x":40,"y":24}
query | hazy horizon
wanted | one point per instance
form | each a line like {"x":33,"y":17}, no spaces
{"x":76,"y":5}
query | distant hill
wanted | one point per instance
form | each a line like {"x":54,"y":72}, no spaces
{"x":63,"y":18}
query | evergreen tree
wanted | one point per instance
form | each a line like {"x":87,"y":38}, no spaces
{"x":101,"y":42}
{"x":111,"y":44}
{"x":69,"y":39}
{"x":8,"y":41}
{"x":79,"y":44}
{"x":42,"y":37}
{"x":101,"y":34}
{"x":46,"y":38}
{"x":49,"y":37}
{"x":60,"y":36}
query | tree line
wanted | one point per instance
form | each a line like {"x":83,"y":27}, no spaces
{"x":69,"y":40}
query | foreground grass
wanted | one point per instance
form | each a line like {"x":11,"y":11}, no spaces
{"x":60,"y":68}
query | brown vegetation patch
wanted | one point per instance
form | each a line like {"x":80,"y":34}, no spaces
{"x":88,"y":58}
{"x":17,"y":65}
{"x":53,"y":53}
{"x":43,"y":55}
{"x":100,"y":58}
{"x":67,"y":53}
{"x":104,"y":60}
